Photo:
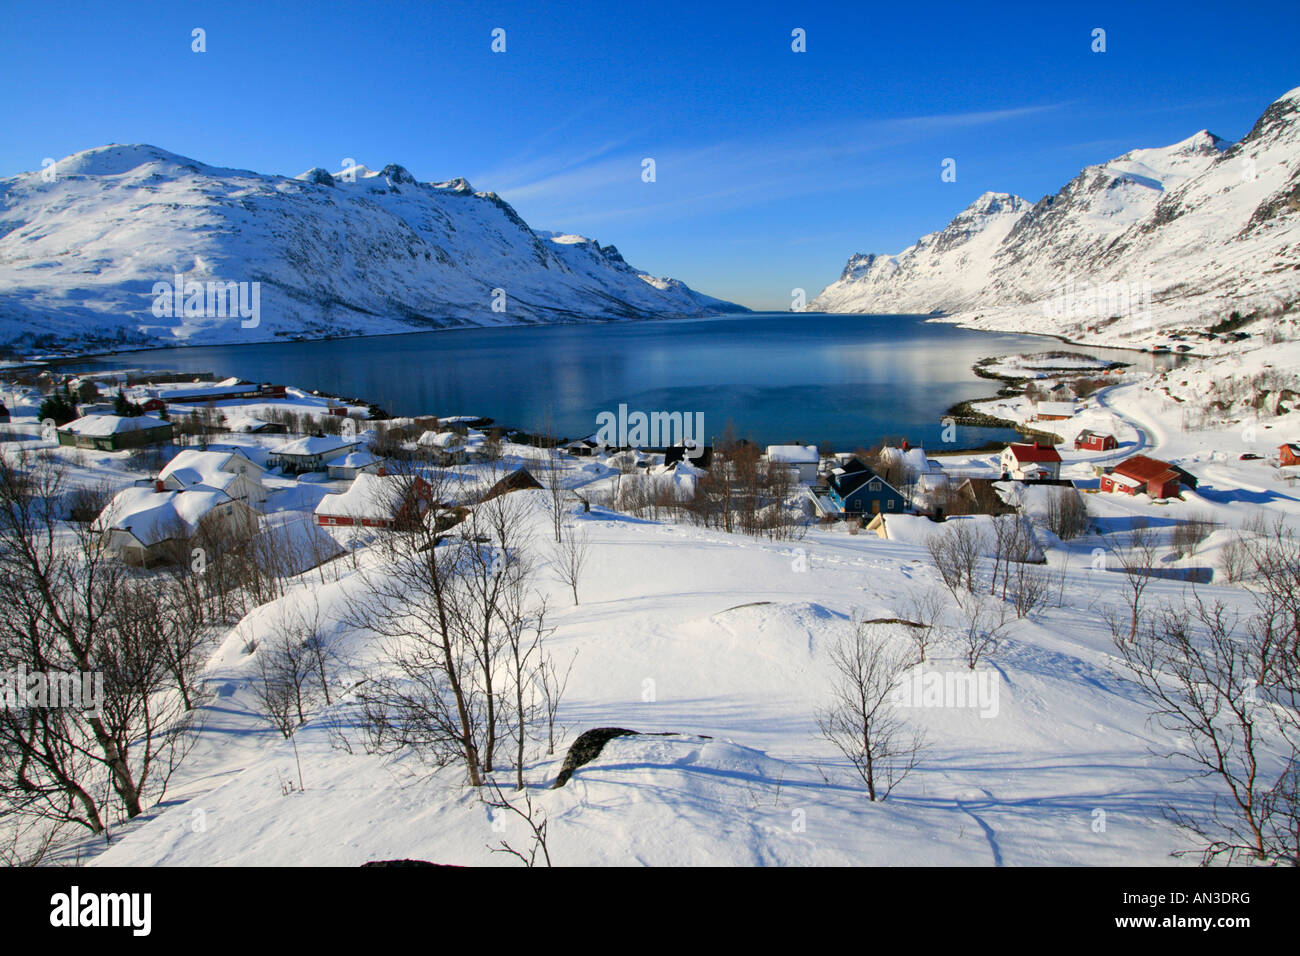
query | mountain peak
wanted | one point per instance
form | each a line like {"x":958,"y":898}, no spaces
{"x":397,"y":174}
{"x":316,"y":175}
{"x":1204,"y":233}
{"x":80,"y":252}
{"x":115,"y":159}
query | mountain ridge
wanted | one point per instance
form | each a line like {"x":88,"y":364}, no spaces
{"x":1203,"y":227}
{"x":83,"y":249}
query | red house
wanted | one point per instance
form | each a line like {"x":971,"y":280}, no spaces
{"x":377,"y":501}
{"x":1140,"y":474}
{"x":1088,"y":440}
{"x":154,"y":405}
{"x":1289,"y":454}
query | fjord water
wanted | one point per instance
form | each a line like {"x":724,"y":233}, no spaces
{"x":779,"y":376}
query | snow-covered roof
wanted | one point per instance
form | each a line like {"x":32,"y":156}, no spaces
{"x":315,"y":445}
{"x":192,"y":467}
{"x":440,"y":439}
{"x":101,"y":426}
{"x":243,"y":423}
{"x":793,"y":454}
{"x":369,"y":496}
{"x":152,"y":516}
{"x":1034,"y":452}
{"x":1056,"y":408}
{"x":356,"y":459}
{"x":913,"y":460}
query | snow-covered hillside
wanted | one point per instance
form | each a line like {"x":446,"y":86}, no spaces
{"x":1177,"y":236}
{"x":356,"y":252}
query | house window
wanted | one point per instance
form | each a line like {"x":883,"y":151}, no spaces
{"x":889,"y":505}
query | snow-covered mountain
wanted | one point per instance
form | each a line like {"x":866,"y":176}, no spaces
{"x":1182,"y":235}
{"x":354,"y":252}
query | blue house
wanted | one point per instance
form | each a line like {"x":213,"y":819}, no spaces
{"x":857,"y":490}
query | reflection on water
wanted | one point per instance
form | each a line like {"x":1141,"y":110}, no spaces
{"x":810,"y":377}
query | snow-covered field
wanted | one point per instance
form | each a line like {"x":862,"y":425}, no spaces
{"x":722,"y":640}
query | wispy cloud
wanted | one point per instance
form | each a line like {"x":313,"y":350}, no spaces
{"x":578,"y":186}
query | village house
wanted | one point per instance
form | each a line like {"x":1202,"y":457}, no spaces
{"x":918,"y":530}
{"x":230,"y":471}
{"x":1088,"y":440}
{"x":151,"y":526}
{"x":906,"y":466}
{"x":800,"y":459}
{"x":313,"y":453}
{"x":1143,"y":475}
{"x":1289,"y":454}
{"x":447,"y":448}
{"x":980,"y":496}
{"x":855,"y":489}
{"x":355,"y":463}
{"x":113,"y":433}
{"x":1062,"y":392}
{"x":377,"y":501}
{"x":1054,"y":411}
{"x":518,"y":480}
{"x":1031,"y":462}
{"x":582,"y":448}
{"x":703,"y":456}
{"x":227,"y":390}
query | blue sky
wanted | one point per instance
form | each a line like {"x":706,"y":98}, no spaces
{"x":771,"y":166}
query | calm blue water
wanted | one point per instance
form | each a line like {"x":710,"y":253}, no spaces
{"x":780,"y":377}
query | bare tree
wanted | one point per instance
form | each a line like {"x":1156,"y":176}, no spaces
{"x":569,"y":557}
{"x":62,"y":613}
{"x":428,"y":700}
{"x":956,"y":552}
{"x":1067,"y":513}
{"x":289,"y":675}
{"x":1137,"y":563}
{"x":1191,"y":531}
{"x":552,"y":684}
{"x":1197,"y":663}
{"x":862,"y":721}
{"x":981,"y":624}
{"x":533,"y":818}
{"x":924,"y":611}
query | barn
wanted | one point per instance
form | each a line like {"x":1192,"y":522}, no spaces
{"x":114,"y":432}
{"x":1140,"y":474}
{"x":1289,"y":454}
{"x":1088,"y":440}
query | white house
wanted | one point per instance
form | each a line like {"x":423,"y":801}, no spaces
{"x":1030,"y":462}
{"x":355,"y":463}
{"x":313,"y":453}
{"x":148,"y":526}
{"x":803,"y":459}
{"x":230,"y":471}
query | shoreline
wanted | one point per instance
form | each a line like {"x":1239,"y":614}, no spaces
{"x":962,"y":413}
